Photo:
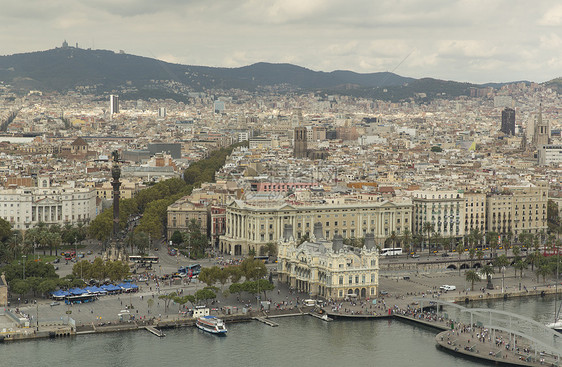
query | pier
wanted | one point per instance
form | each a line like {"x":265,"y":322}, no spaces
{"x":266,"y":321}
{"x":158,"y":333}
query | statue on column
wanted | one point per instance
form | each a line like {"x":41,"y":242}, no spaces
{"x":115,"y":251}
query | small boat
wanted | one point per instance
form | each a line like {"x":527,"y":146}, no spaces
{"x":556,"y":325}
{"x":211,"y":324}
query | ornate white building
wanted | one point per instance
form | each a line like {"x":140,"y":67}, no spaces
{"x":329,"y":269}
{"x":24,"y":207}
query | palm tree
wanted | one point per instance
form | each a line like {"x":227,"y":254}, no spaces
{"x":406,"y":237}
{"x":472,"y":276}
{"x":501,"y":261}
{"x":459,"y":249}
{"x":428,"y":228}
{"x":479,"y":254}
{"x":475,"y":236}
{"x":543,"y":271}
{"x":392,"y":239}
{"x":519,"y":265}
{"x":516,"y":251}
{"x":493,"y":242}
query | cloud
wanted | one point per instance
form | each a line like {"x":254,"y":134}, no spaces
{"x":468,"y":40}
{"x":552,"y":17}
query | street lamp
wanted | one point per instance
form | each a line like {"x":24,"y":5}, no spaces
{"x":24,"y":258}
{"x":503,"y":277}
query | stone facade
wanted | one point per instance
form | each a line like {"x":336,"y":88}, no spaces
{"x":250,"y":225}
{"x":329,"y":269}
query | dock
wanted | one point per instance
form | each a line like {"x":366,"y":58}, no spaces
{"x":266,"y":321}
{"x":323,"y":317}
{"x":155,"y":331}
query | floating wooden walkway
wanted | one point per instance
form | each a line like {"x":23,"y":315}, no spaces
{"x":155,"y":331}
{"x":266,"y":321}
{"x":323,"y":317}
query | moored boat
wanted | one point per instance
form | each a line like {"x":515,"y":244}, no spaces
{"x":211,"y":324}
{"x":556,"y":326}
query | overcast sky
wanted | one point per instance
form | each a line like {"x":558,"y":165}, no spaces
{"x":471,"y":40}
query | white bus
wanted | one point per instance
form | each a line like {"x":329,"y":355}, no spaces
{"x":391,"y":251}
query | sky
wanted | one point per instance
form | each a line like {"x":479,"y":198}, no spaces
{"x":475,"y":41}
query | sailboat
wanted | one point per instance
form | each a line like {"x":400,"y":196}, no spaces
{"x":557,"y":324}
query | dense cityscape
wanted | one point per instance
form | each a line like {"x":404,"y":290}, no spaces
{"x":307,"y":197}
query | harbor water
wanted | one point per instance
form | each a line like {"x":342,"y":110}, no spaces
{"x":298,"y":341}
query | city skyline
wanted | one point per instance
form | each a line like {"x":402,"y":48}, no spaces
{"x":476,"y":42}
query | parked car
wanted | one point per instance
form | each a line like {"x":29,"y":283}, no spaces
{"x":415,"y":256}
{"x":55,"y":303}
{"x":448,"y":287}
{"x":56,"y":261}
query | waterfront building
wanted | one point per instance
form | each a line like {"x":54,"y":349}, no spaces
{"x":475,"y":212}
{"x":252,"y":224}
{"x":25,"y":207}
{"x":444,"y":210}
{"x":328,"y":269}
{"x":517,"y":208}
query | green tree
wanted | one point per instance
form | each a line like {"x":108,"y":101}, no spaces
{"x":195,"y":239}
{"x":269,"y":248}
{"x":141,"y":242}
{"x":519,"y":265}
{"x":460,"y":250}
{"x":176,"y":238}
{"x":234,"y":273}
{"x":253,"y":269}
{"x":471,"y":254}
{"x":472,"y":276}
{"x":236,"y":288}
{"x":209,"y":275}
{"x":222,"y":277}
{"x":501,"y":261}
{"x":542,"y":270}
{"x":428,"y":229}
{"x":47,"y":286}
{"x":19,"y":286}
{"x":406,"y":238}
{"x":205,"y":294}
{"x":5,"y":229}
{"x":167,"y":298}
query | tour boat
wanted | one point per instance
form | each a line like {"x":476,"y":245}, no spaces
{"x":211,"y":324}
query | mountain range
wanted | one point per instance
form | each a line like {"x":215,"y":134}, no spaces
{"x":101,"y":71}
